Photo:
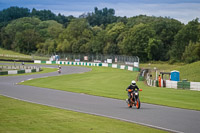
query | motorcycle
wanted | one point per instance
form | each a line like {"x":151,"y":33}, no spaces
{"x":59,"y":71}
{"x":134,"y":100}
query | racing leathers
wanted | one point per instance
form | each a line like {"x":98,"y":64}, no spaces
{"x":132,"y":87}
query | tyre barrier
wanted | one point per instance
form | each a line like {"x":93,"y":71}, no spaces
{"x":184,"y":84}
{"x":23,"y":69}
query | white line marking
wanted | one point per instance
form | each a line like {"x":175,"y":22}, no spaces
{"x":148,"y":125}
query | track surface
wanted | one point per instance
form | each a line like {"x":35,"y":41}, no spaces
{"x":166,"y":118}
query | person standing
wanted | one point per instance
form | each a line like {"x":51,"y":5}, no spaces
{"x":159,"y":81}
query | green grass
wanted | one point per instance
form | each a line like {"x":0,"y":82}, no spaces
{"x":100,"y":81}
{"x":22,"y":117}
{"x":170,"y":97}
{"x":191,"y":72}
{"x":10,"y":52}
{"x":4,"y":52}
{"x":109,"y":82}
{"x":160,"y":66}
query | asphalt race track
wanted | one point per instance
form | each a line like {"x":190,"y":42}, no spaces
{"x":166,"y":118}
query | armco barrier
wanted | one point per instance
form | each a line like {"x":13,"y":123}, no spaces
{"x":171,"y":84}
{"x":35,"y":69}
{"x":130,"y":68}
{"x":195,"y":86}
{"x":28,"y":71}
{"x":183,"y":84}
{"x":4,"y":73}
{"x":12,"y":72}
{"x":20,"y":71}
{"x":174,"y":84}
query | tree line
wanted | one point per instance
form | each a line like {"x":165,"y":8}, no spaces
{"x":100,"y":32}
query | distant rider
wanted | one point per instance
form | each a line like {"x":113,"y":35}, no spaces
{"x":59,"y":69}
{"x":133,"y":86}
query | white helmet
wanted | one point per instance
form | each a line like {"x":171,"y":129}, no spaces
{"x":133,"y":82}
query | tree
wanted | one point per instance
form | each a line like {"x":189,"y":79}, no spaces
{"x":166,"y":29}
{"x":154,"y":49}
{"x":76,"y":36}
{"x":50,"y":29}
{"x":104,"y":16}
{"x":48,"y":47}
{"x":12,"y":13}
{"x":189,"y":33}
{"x":43,"y":14}
{"x":136,"y":40}
{"x":98,"y":42}
{"x":192,"y":53}
{"x":113,"y":32}
{"x":21,"y":35}
{"x":25,"y":41}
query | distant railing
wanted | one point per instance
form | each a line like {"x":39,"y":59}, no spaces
{"x":119,"y":59}
{"x":16,"y":56}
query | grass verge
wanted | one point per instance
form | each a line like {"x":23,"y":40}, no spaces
{"x":186,"y":99}
{"x":191,"y":72}
{"x":100,"y":81}
{"x":18,"y":117}
{"x":109,"y":82}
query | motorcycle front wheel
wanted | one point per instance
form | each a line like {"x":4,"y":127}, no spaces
{"x":138,"y":104}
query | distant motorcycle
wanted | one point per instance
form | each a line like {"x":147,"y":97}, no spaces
{"x":59,"y":71}
{"x":134,"y":100}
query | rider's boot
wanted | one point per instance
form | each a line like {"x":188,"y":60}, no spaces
{"x":127,"y":101}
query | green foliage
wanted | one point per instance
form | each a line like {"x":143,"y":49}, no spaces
{"x":113,"y":32}
{"x":189,"y":33}
{"x":136,"y":40}
{"x":165,"y":30}
{"x":21,"y":35}
{"x":99,"y":32}
{"x":99,"y":17}
{"x":76,"y":37}
{"x":154,"y":49}
{"x":192,"y":53}
{"x":43,"y":14}
{"x":12,"y":13}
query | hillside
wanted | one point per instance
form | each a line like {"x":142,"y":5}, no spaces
{"x":11,"y":55}
{"x":10,"y":52}
{"x":190,"y":72}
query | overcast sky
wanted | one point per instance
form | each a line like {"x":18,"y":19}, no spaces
{"x":182,"y":10}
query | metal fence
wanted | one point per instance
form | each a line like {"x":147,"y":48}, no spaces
{"x":120,"y":59}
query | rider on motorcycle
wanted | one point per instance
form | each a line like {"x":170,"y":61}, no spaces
{"x":133,"y":86}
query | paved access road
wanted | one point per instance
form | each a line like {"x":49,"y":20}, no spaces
{"x":166,"y":118}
